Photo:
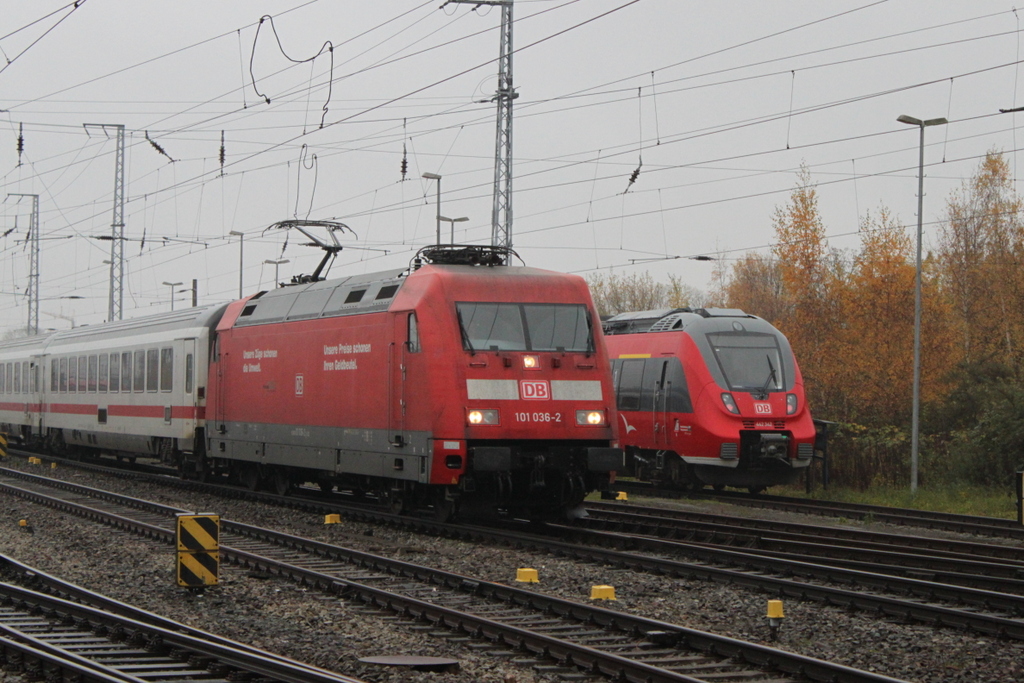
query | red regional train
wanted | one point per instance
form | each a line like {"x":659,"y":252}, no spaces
{"x":709,"y":397}
{"x":459,"y":382}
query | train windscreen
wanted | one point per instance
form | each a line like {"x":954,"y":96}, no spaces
{"x":524,"y":327}
{"x":750,"y":361}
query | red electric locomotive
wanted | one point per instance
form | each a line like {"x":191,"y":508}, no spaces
{"x":479,"y":385}
{"x":459,"y":382}
{"x":709,"y":396}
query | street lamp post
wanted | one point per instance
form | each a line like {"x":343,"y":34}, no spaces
{"x":451,"y":222}
{"x":241,"y":241}
{"x":277,"y":264}
{"x":434,"y":176}
{"x":172,"y":285}
{"x":915,"y":426}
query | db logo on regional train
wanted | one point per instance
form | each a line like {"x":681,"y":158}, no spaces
{"x":534,"y":390}
{"x":763,"y":408}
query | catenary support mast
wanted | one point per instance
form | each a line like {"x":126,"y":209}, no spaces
{"x":501,"y":211}
{"x":116,"y":303}
{"x":33,"y":268}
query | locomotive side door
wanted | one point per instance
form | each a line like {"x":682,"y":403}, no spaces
{"x":397,"y":379}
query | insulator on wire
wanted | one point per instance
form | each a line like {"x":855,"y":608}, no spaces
{"x":21,"y":143}
{"x":405,"y":163}
{"x":222,"y":154}
{"x":157,"y":147}
{"x":633,"y":177}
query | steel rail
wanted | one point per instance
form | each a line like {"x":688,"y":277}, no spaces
{"x":168,"y":653}
{"x":577,"y":654}
{"x":975,"y":524}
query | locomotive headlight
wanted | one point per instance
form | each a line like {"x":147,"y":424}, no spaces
{"x":593,"y":418}
{"x":531,"y":362}
{"x":482,"y":417}
{"x":730,"y":403}
{"x":791,"y":404}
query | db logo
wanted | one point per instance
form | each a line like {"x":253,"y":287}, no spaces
{"x":763,"y":408}
{"x":534,"y":390}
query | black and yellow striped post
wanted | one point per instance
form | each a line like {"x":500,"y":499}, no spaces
{"x":3,"y":444}
{"x":198,"y":543}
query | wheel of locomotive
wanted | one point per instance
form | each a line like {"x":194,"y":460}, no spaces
{"x":281,"y":481}
{"x":756,"y":489}
{"x":249,"y":476}
{"x":325,"y":486}
{"x":719,"y":487}
{"x":445,"y":509}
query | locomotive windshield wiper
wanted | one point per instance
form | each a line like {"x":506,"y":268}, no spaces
{"x":771,"y":378}
{"x":465,"y":335}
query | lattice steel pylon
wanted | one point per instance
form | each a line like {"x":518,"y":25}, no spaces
{"x":33,"y":268}
{"x":501,"y":211}
{"x":115,"y":309}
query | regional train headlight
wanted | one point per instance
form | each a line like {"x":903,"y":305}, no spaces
{"x":591,"y":418}
{"x":482,"y":417}
{"x":791,"y":404}
{"x":730,"y":403}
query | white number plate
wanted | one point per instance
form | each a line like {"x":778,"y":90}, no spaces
{"x":538,"y":417}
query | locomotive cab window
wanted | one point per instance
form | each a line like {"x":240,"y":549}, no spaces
{"x":630,"y":377}
{"x":524,"y":327}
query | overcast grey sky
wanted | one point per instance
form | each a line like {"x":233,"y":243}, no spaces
{"x":722,"y":101}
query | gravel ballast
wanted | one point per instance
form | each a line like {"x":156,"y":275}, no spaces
{"x":323,"y":630}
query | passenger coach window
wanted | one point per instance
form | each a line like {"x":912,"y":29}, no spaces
{"x":166,"y":369}
{"x":72,"y":374}
{"x":54,"y":375}
{"x":152,"y":369}
{"x":83,"y":373}
{"x":10,"y":379}
{"x":115,"y":372}
{"x":101,"y":380}
{"x":126,"y":371}
{"x":64,"y":375}
{"x":189,"y":362}
{"x":3,"y":378}
{"x":139,"y":372}
{"x":17,"y":378}
{"x":93,"y":373}
{"x":34,"y":373}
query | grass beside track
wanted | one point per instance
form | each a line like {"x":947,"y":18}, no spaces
{"x":964,"y":500}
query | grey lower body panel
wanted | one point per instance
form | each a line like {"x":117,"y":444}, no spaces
{"x":338,"y":450}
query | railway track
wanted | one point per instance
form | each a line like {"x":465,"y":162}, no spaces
{"x":983,"y":602}
{"x":979,"y":565}
{"x":968,"y":524}
{"x":47,"y":637}
{"x":547,"y":633}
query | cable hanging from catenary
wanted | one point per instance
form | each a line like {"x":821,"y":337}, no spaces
{"x":313,"y":166}
{"x":328,"y":45}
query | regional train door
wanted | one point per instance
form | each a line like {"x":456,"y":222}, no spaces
{"x":656,"y":391}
